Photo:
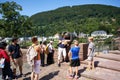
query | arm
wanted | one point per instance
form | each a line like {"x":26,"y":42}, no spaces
{"x":69,"y":55}
{"x":10,"y":53}
{"x":21,"y":53}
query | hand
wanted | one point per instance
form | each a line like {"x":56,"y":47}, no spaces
{"x":13,"y":52}
{"x":21,"y":55}
{"x":87,"y":54}
{"x":14,"y":63}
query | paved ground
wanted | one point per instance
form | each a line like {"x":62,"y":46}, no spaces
{"x":52,"y":72}
{"x":107,"y":69}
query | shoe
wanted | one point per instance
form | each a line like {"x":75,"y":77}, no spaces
{"x":59,"y":65}
{"x":76,"y":77}
{"x":14,"y":76}
{"x":42,"y":65}
{"x":70,"y":76}
{"x":22,"y":75}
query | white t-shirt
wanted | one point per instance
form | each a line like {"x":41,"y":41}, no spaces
{"x":50,"y":47}
{"x":92,"y":47}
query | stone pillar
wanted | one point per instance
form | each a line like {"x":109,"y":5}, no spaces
{"x":83,"y":51}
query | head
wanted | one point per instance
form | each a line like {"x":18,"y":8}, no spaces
{"x":3,"y":45}
{"x":34,"y":40}
{"x":15,"y":40}
{"x":44,"y":43}
{"x":40,"y":42}
{"x":90,"y":39}
{"x":51,"y":42}
{"x":76,"y":42}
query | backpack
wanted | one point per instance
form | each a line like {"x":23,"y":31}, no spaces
{"x":47,"y":49}
{"x":31,"y":54}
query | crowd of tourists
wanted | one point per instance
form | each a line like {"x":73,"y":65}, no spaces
{"x":44,"y":55}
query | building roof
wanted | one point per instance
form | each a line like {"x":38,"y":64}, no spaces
{"x":99,"y":32}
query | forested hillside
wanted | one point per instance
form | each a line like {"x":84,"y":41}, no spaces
{"x":83,"y":18}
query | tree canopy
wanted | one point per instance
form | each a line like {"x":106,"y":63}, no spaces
{"x":83,"y":18}
{"x":13,"y":24}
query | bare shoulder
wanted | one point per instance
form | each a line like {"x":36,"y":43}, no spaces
{"x":37,"y":47}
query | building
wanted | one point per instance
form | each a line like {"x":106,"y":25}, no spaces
{"x":99,"y":33}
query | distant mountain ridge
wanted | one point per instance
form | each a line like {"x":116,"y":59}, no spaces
{"x":81,"y":18}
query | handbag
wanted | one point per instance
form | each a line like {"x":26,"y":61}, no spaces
{"x":2,"y":62}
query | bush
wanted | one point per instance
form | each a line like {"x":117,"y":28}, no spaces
{"x":82,"y":40}
{"x":25,"y":44}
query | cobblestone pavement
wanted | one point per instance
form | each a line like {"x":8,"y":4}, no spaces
{"x":51,"y":72}
{"x":104,"y":71}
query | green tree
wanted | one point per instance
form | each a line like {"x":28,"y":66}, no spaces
{"x":13,"y":24}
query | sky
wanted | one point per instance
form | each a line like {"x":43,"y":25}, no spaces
{"x":31,"y":7}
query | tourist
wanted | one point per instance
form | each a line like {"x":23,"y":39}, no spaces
{"x":91,"y":51}
{"x":50,"y":57}
{"x":61,"y":51}
{"x":16,"y":56}
{"x":6,"y":70}
{"x":37,"y":60}
{"x":42,"y":55}
{"x":45,"y":53}
{"x":74,"y":59}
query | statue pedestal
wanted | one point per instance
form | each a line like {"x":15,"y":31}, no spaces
{"x":83,"y":51}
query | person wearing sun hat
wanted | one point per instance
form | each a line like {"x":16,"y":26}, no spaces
{"x":91,"y":51}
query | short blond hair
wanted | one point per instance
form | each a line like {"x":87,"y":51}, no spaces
{"x":90,"y":38}
{"x":76,"y":42}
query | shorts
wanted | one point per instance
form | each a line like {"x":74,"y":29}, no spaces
{"x":90,"y":58}
{"x":60,"y":52}
{"x":75,"y":63}
{"x":36,"y":66}
{"x":18,"y":61}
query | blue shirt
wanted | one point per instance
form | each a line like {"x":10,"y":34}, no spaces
{"x":75,"y":52}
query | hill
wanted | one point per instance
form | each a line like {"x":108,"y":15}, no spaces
{"x":82,"y":18}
